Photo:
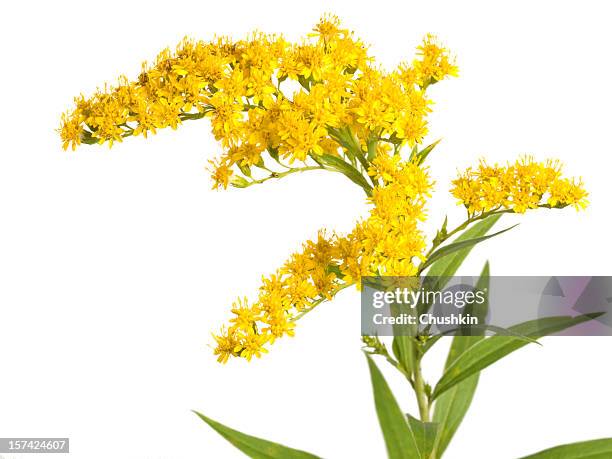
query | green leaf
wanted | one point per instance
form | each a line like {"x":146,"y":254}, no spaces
{"x":372,"y":144}
{"x":488,"y":351}
{"x":404,"y":349}
{"x":335,"y":269}
{"x":425,"y":434}
{"x":431,"y":340}
{"x":345,"y":168}
{"x":442,"y":270}
{"x":305,"y":82}
{"x":414,"y":152}
{"x":404,"y":345}
{"x":450,"y":409}
{"x":447,"y":266}
{"x":261,"y":164}
{"x":593,"y":449}
{"x":254,"y":447}
{"x":273,"y":152}
{"x":461,"y":244}
{"x":344,"y":136}
{"x":452,"y":406}
{"x":399,"y":437}
{"x":245,"y":169}
{"x":476,"y":330}
{"x":347,"y":139}
{"x":481,"y":310}
{"x":442,"y":233}
{"x":422,"y":155}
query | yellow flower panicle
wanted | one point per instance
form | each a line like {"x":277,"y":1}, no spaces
{"x":266,"y":97}
{"x":388,"y":242}
{"x":322,"y":103}
{"x":525,"y":184}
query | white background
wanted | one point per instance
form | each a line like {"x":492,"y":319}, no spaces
{"x":116,"y":265}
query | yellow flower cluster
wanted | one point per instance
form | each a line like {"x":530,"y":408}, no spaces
{"x":265,"y":95}
{"x":323,"y":103}
{"x":525,"y":184}
{"x":388,"y":242}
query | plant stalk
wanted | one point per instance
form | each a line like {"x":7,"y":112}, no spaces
{"x":421,"y":395}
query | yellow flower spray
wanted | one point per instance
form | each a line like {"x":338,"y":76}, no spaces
{"x":279,"y":108}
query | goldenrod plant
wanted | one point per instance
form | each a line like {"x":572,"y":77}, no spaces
{"x":279,"y":108}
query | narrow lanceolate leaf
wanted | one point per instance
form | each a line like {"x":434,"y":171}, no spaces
{"x":245,"y":169}
{"x":345,"y":168}
{"x":422,"y":155}
{"x":488,"y":351}
{"x":442,"y":270}
{"x":254,"y":447}
{"x":478,"y":329}
{"x":460,"y":245}
{"x":450,"y":409}
{"x":399,"y":437}
{"x":404,"y":350}
{"x":404,"y":346}
{"x":452,"y":406}
{"x":593,"y":449}
{"x":425,"y":434}
{"x":372,"y":143}
{"x":447,"y":266}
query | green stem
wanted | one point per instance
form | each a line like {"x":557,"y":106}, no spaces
{"x":192,"y":116}
{"x":421,"y":395}
{"x":316,"y":303}
{"x":277,"y":175}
